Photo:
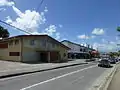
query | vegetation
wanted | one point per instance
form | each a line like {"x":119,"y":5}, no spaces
{"x":4,"y":32}
{"x":118,"y":29}
{"x":113,"y":54}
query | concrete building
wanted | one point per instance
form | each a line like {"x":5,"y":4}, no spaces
{"x":32,"y":48}
{"x":76,"y":50}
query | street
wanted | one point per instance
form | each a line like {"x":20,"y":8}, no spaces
{"x":79,"y":77}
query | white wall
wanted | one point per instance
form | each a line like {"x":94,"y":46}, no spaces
{"x":74,"y":47}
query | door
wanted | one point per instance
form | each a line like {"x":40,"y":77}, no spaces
{"x":54,"y":56}
{"x":44,"y":56}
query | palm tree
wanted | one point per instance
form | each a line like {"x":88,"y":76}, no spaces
{"x":4,"y":32}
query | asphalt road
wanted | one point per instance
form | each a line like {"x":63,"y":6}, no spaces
{"x":70,"y":78}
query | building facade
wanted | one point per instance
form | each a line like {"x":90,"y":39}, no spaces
{"x":32,"y":48}
{"x":76,"y":50}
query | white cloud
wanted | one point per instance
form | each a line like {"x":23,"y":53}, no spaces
{"x":111,"y":42}
{"x":51,"y":30}
{"x":103,"y":40}
{"x":30,"y":20}
{"x":112,"y":46}
{"x":83,"y":36}
{"x":45,"y":10}
{"x":117,"y":38}
{"x":60,"y":25}
{"x":57,"y":35}
{"x":6,"y":3}
{"x":25,"y":20}
{"x":93,"y":36}
{"x":98,"y":31}
{"x":2,"y":9}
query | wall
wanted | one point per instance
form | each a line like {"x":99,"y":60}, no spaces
{"x":11,"y":48}
{"x":31,"y":52}
{"x":74,"y":47}
{"x":14,"y":48}
{"x":3,"y":54}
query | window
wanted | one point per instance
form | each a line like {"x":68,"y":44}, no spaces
{"x":80,"y":49}
{"x":10,"y":42}
{"x":16,"y":42}
{"x":32,"y":42}
{"x":64,"y":54}
{"x":84,"y":50}
{"x":14,"y":53}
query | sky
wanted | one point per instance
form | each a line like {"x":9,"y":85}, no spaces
{"x":84,"y":22}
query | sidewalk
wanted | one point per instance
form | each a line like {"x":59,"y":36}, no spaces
{"x":115,"y":83}
{"x":8,"y":69}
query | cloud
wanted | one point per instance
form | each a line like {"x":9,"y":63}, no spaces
{"x":45,"y":10}
{"x":60,"y":25}
{"x":112,"y":46}
{"x":50,"y":30}
{"x":117,"y":38}
{"x":103,"y":40}
{"x":83,"y":36}
{"x":98,"y":31}
{"x":25,"y":20}
{"x":6,"y":3}
{"x":93,"y":36}
{"x":2,"y":9}
{"x":57,"y":35}
{"x":30,"y":21}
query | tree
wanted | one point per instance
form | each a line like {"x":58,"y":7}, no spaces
{"x":118,"y":29}
{"x":4,"y":32}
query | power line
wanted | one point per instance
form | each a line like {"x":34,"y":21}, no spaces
{"x":39,"y":6}
{"x":14,"y":27}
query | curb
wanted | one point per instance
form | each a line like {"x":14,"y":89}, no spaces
{"x":108,"y":79}
{"x":23,"y":73}
{"x":104,"y":80}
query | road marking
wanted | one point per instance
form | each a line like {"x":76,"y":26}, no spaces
{"x":32,"y":74}
{"x":58,"y":77}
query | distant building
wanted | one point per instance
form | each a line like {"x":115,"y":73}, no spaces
{"x":32,"y":48}
{"x":77,"y":51}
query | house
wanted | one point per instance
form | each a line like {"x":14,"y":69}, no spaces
{"x":32,"y":48}
{"x":76,"y":50}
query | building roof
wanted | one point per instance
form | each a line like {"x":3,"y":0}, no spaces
{"x":78,"y":45}
{"x":22,"y":36}
{"x":72,"y":43}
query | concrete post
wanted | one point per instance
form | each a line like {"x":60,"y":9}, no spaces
{"x":48,"y":57}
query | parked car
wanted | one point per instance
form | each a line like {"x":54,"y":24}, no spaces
{"x":116,"y":59}
{"x":113,"y":61}
{"x":104,"y":63}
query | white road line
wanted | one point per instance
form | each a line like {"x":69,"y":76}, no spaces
{"x":30,"y":74}
{"x":31,"y":86}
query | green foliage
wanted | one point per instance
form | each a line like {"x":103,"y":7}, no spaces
{"x":4,"y":32}
{"x":118,"y":29}
{"x":113,"y":54}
